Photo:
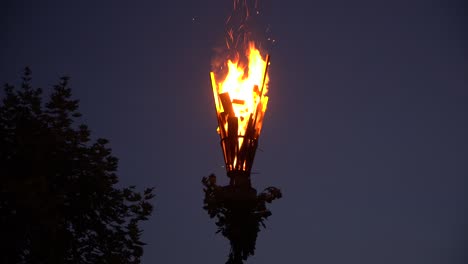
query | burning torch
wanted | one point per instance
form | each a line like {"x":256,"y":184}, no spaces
{"x":240,"y":109}
{"x":241,"y":101}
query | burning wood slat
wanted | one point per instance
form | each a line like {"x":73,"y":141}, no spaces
{"x":240,"y":101}
{"x":227,"y":105}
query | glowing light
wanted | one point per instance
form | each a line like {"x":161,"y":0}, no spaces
{"x":241,"y":101}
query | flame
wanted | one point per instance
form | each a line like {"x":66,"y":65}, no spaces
{"x":242,"y":96}
{"x":244,"y":89}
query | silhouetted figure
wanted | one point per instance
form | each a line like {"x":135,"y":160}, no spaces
{"x":239,"y":211}
{"x":58,"y":199}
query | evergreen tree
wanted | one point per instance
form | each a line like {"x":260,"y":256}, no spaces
{"x":58,"y":197}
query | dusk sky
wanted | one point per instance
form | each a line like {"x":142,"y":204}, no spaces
{"x":366,"y":131}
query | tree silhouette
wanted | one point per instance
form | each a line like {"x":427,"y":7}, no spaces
{"x":58,"y":197}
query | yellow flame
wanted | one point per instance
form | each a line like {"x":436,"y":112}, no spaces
{"x":246,"y":91}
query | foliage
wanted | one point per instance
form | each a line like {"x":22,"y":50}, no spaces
{"x":239,"y":212}
{"x":58,"y":197}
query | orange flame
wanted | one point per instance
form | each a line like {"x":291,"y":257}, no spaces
{"x":242,"y":96}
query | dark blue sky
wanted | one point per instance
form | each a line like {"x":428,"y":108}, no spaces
{"x":366,"y":131}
